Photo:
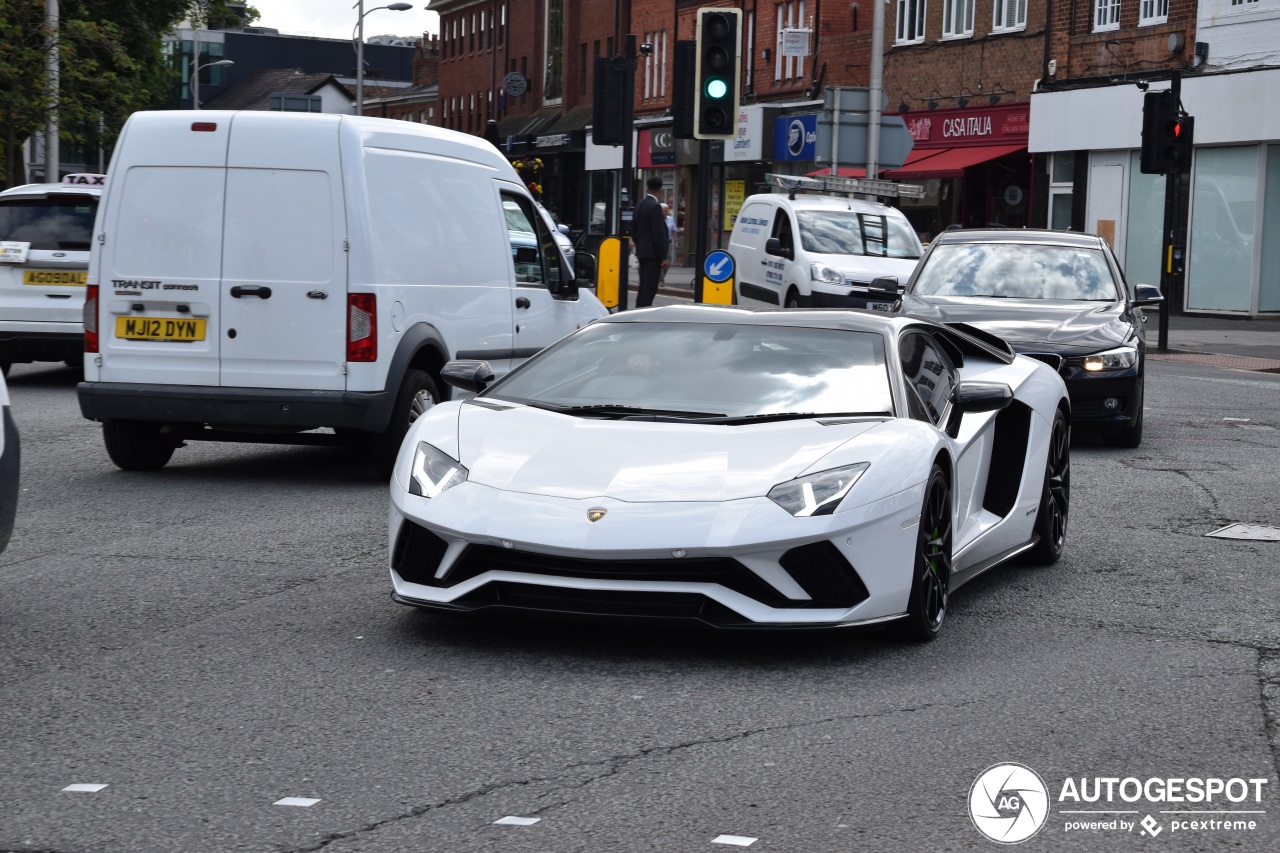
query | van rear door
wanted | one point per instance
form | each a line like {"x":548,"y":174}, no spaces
{"x":160,"y":262}
{"x":283,"y":301}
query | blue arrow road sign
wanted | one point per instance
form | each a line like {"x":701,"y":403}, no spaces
{"x":718,"y":267}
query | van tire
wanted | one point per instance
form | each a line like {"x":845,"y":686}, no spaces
{"x":792,"y":300}
{"x":137,"y":445}
{"x":418,"y":393}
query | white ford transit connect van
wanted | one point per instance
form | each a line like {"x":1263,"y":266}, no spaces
{"x":46,"y":229}
{"x":256,"y":276}
{"x":805,"y":249}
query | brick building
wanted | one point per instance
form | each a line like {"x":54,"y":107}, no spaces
{"x":418,"y":103}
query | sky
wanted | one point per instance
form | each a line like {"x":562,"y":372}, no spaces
{"x":337,"y":18}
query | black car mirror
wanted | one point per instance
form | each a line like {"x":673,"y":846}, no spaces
{"x":584,"y":269}
{"x":773,"y":246}
{"x":887,"y":284}
{"x":1147,"y":294}
{"x":975,"y":396}
{"x":467,"y":375}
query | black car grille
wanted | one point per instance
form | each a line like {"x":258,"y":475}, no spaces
{"x":1091,"y":407}
{"x":819,"y":568}
{"x":1050,"y":358}
{"x":1013,"y":427}
{"x":825,"y":574}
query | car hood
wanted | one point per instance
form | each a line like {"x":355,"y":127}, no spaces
{"x":863,"y":268}
{"x":1032,"y":324}
{"x":523,"y":449}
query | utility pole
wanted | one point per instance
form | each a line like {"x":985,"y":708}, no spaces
{"x":877,"y":84}
{"x":52,"y":70}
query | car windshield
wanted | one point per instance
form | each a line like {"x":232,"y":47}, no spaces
{"x":846,"y":232}
{"x":1017,"y":271}
{"x":53,"y":223}
{"x":708,"y":369}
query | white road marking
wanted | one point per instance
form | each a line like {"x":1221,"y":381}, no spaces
{"x":1254,"y":532}
{"x":511,"y":820}
{"x":735,"y":840}
{"x":84,"y":788}
{"x":304,"y":802}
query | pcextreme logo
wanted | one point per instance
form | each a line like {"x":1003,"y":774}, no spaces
{"x":1010,"y":803}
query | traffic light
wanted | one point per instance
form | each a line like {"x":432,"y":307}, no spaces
{"x":1167,"y":136}
{"x":717,"y":73}
{"x":608,"y":122}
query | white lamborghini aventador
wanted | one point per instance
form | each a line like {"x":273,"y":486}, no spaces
{"x":735,"y":467}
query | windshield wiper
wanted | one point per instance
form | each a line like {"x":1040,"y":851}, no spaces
{"x":794,"y":416}
{"x":625,"y":412}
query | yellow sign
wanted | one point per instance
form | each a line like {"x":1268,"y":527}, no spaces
{"x":609,"y":271}
{"x":717,"y":292}
{"x":66,"y":278}
{"x":159,"y":329}
{"x":735,"y":192}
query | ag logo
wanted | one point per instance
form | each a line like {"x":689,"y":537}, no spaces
{"x":1008,"y":803}
{"x":595,"y":514}
{"x":795,"y":138}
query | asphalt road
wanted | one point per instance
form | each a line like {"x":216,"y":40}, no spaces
{"x":209,"y":639}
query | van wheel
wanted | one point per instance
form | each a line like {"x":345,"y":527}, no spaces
{"x":417,"y":395}
{"x":137,"y":445}
{"x":793,"y":300}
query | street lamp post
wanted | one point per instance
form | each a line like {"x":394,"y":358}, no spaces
{"x":195,"y":77}
{"x":394,"y":7}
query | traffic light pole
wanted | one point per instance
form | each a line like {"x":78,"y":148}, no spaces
{"x":625,"y":206}
{"x":702,"y":217}
{"x":1173,"y":262}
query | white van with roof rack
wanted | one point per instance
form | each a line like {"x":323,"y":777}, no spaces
{"x":295,"y":278}
{"x":811,"y":244}
{"x":45,"y":232}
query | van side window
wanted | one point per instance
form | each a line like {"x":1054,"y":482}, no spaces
{"x":930,"y":378}
{"x":533,"y":248}
{"x":782,"y":230}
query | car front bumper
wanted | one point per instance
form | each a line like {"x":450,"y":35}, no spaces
{"x":734,"y":564}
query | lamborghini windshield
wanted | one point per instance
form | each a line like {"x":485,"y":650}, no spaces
{"x":706,"y":370}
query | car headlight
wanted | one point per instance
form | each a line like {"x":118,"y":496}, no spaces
{"x":824,"y":273}
{"x":817,"y":494}
{"x":1120,"y":358}
{"x":434,"y":471}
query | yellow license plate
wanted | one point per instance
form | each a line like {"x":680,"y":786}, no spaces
{"x":64,"y":278}
{"x":159,"y":329}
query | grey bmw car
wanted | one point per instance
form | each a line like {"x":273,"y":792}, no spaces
{"x":1058,"y":296}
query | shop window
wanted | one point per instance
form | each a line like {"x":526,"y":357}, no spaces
{"x":1269,"y":278}
{"x":1061,"y":189}
{"x":1106,"y":15}
{"x":1144,"y":227}
{"x":910,"y":23}
{"x":1011,"y":15}
{"x":957,"y":18}
{"x":1224,"y":193}
{"x":789,"y":16}
{"x":1153,"y":12}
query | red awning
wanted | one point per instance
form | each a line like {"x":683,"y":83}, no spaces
{"x":948,"y":162}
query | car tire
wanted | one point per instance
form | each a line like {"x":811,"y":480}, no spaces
{"x":792,"y":300}
{"x":137,"y":445}
{"x":931,"y":568}
{"x":1130,"y":436}
{"x":1055,"y":496}
{"x":417,"y":395}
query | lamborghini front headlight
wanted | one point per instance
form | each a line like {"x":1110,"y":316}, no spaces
{"x":817,"y":494}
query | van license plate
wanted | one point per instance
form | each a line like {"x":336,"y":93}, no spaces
{"x":64,"y":278}
{"x":159,"y":329}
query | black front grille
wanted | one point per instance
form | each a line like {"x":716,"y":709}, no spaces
{"x":417,"y":554}
{"x":729,"y":573}
{"x":1050,"y":358}
{"x":1091,"y":407}
{"x":612,"y":603}
{"x":825,"y":574}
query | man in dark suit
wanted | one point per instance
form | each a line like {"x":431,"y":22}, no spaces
{"x":653,"y":241}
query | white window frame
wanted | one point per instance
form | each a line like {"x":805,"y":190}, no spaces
{"x":1152,"y":12}
{"x":790,"y":16}
{"x":655,"y":65}
{"x":957,"y":18}
{"x":1011,"y":16}
{"x":1106,"y":15}
{"x":909,"y":24}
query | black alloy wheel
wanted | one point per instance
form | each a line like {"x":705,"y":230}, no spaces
{"x":1055,"y":497}
{"x":931,"y":583}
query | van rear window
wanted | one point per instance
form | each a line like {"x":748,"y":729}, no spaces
{"x":52,"y":223}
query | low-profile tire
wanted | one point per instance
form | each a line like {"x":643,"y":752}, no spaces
{"x":416,"y":396}
{"x":931,"y":568}
{"x":1130,"y":436}
{"x":1055,"y":496}
{"x":137,"y":445}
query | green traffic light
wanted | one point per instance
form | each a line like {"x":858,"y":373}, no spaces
{"x":716,"y":89}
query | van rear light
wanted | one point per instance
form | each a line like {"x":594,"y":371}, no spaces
{"x":204,"y":126}
{"x":362,"y":327}
{"x":91,"y":318}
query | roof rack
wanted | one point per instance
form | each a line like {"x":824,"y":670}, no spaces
{"x":836,"y":185}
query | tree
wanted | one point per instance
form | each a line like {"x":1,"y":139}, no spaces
{"x":111,"y":62}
